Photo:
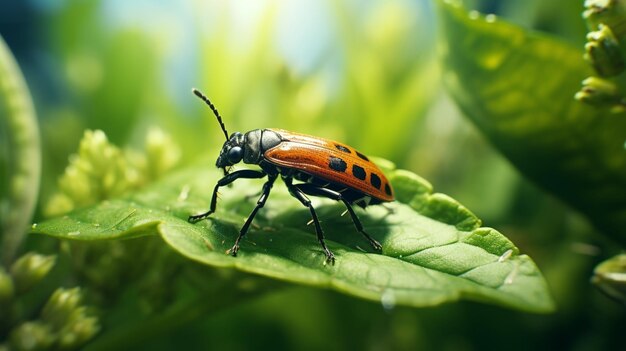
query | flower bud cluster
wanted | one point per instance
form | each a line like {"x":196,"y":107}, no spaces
{"x":63,"y":323}
{"x":605,"y":51}
{"x":101,"y":170}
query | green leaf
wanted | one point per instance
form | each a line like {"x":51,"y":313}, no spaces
{"x":425,"y":262}
{"x":19,"y":135}
{"x":518,"y":88}
{"x":610,"y":277}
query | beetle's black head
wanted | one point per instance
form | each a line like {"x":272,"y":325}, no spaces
{"x":232,"y":152}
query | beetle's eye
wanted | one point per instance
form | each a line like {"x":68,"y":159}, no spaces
{"x":235,"y":154}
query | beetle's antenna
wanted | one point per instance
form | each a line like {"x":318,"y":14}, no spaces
{"x":217,"y":114}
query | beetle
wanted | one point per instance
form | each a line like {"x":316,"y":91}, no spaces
{"x":322,"y":167}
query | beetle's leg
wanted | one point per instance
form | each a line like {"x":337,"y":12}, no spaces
{"x":229,"y":178}
{"x":265,"y":193}
{"x":299,"y":194}
{"x":314,"y":190}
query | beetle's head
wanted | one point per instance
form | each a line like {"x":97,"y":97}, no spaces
{"x":232,"y":152}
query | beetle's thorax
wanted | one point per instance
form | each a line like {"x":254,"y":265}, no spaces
{"x":257,"y":142}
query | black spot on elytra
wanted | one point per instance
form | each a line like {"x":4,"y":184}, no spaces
{"x":362,"y":156}
{"x":342,"y":148}
{"x":387,"y":189}
{"x":358,"y":172}
{"x":337,"y":164}
{"x":375,"y":180}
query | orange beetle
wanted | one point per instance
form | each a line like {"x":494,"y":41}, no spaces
{"x":324,"y":167}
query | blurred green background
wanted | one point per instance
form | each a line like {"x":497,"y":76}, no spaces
{"x":366,"y":73}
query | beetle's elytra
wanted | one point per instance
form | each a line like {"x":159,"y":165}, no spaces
{"x":322,"y":167}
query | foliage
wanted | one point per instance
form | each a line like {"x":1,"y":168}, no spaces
{"x":497,"y":74}
{"x":118,"y":75}
{"x":610,"y":277}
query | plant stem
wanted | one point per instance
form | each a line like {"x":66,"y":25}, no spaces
{"x":23,"y":156}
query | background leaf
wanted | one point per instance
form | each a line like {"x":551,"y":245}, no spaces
{"x":518,"y":88}
{"x":425,"y":262}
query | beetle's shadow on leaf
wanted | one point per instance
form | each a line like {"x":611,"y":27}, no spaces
{"x":337,"y":228}
{"x":283,"y":232}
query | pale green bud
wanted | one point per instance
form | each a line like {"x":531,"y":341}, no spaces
{"x":603,"y":52}
{"x":70,"y":321}
{"x":29,"y":269}
{"x":60,"y":307}
{"x":79,"y":329}
{"x":161,"y":152}
{"x":598,"y":91}
{"x":58,"y":204}
{"x":31,"y":336}
{"x":608,"y":12}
